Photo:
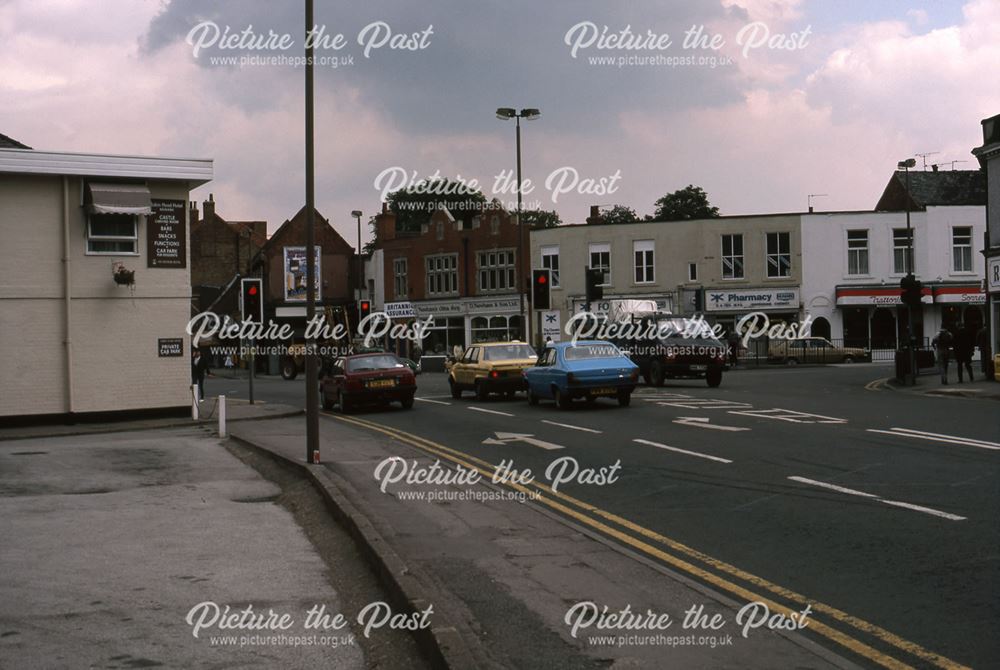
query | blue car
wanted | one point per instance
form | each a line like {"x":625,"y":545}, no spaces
{"x":587,"y":369}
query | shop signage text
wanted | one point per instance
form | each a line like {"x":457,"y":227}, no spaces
{"x":170,"y":347}
{"x":165,"y":239}
{"x":721,"y":300}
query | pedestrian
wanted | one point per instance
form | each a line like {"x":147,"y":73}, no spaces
{"x":965,"y":344}
{"x":985,"y":355}
{"x":943,"y":345}
{"x":734,"y":348}
{"x":199,"y":368}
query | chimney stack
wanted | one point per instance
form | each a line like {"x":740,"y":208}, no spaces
{"x":193,"y":214}
{"x":208,"y":208}
{"x":595,"y":215}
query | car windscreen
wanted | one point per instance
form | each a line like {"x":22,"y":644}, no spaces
{"x":508,"y":352}
{"x":581,"y":352}
{"x":375,"y":362}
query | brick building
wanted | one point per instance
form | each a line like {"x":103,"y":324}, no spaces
{"x":462,"y":269}
{"x":221,"y":252}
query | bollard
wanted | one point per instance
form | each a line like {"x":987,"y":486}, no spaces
{"x":222,"y":416}
{"x":194,"y":402}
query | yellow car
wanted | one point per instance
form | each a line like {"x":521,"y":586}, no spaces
{"x":491,"y":367}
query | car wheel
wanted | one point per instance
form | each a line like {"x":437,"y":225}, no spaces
{"x":481,"y":393}
{"x":848,"y":359}
{"x":792,"y":361}
{"x":456,"y":391}
{"x":656,"y":373}
{"x":407,"y":402}
{"x":562,"y":400}
{"x":532,"y":398}
{"x":327,"y":402}
{"x":342,"y":404}
{"x":624,"y":398}
{"x":714,"y":378}
{"x":289,"y":370}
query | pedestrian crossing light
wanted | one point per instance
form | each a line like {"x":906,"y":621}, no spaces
{"x":911,"y":291}
{"x":595,"y":277}
{"x":252,"y":300}
{"x":541,"y":282}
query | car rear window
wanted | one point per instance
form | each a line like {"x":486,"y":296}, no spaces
{"x":586,"y":351}
{"x":376,"y":362}
{"x":508,"y":352}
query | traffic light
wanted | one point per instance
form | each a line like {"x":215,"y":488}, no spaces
{"x":911,"y":291}
{"x":364,"y":309}
{"x":252,"y":300}
{"x":595,"y":277}
{"x":541,"y":281}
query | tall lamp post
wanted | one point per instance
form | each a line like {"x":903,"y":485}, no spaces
{"x":529,"y":114}
{"x":312,"y":376}
{"x":910,"y":276}
{"x":361,"y":264}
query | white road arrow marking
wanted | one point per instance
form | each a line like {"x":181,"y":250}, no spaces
{"x":505,"y":438}
{"x":704,"y":422}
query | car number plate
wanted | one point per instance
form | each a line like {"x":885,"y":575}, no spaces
{"x":699,"y":368}
{"x":381,"y":383}
{"x":604,"y":391}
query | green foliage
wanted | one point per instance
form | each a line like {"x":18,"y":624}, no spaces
{"x":620,"y":214}
{"x":690,"y":202}
{"x":541,"y":218}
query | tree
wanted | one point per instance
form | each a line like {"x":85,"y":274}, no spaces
{"x":620,"y":214}
{"x":541,"y":218}
{"x":413,"y":206}
{"x":690,"y":202}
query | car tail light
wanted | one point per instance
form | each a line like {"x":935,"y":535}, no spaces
{"x":494,"y":374}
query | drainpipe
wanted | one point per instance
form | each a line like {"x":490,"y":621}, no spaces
{"x":68,"y":342}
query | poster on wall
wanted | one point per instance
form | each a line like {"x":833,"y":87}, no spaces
{"x":165,"y":237}
{"x":295,"y":274}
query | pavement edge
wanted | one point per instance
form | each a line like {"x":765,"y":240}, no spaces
{"x":443,"y":645}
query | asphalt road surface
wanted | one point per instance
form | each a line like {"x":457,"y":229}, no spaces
{"x":879,"y":509}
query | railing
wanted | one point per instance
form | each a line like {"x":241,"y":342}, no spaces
{"x":763,"y":351}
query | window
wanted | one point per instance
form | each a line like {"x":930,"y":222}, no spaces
{"x":732,"y":256}
{"x":779,"y":255}
{"x":496,"y":271}
{"x":399,"y":277}
{"x":112,"y":234}
{"x":550,"y":261}
{"x":440,"y":230}
{"x":495,"y":328}
{"x":495,"y":225}
{"x":961,"y":249}
{"x":600,"y":259}
{"x":902,"y":262}
{"x":442,"y":274}
{"x":642,"y":251}
{"x":692,"y":272}
{"x":857,"y":252}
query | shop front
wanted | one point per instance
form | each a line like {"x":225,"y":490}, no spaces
{"x":962,"y":304}
{"x":875,"y":317}
{"x":726,"y":306}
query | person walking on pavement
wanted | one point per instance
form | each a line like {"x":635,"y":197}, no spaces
{"x":965,"y":344}
{"x":199,"y":368}
{"x":943,"y":345}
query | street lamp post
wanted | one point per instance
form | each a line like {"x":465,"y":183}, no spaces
{"x":312,"y":376}
{"x":361,"y":265}
{"x":910,"y":275}
{"x":528,"y":114}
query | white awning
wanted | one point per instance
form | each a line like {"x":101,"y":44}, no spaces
{"x":103,"y":198}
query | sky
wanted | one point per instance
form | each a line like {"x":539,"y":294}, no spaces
{"x":794,"y":97}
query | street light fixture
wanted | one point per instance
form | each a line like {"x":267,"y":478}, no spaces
{"x":528,"y":114}
{"x":910,"y":278}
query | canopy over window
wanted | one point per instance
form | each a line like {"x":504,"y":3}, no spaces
{"x":118,"y":198}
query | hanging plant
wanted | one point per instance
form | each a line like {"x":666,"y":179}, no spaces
{"x":123,"y":277}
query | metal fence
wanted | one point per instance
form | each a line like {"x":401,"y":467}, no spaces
{"x":764,"y":351}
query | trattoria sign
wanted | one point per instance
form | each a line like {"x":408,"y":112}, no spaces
{"x":887,"y":296}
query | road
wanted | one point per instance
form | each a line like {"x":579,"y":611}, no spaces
{"x":877,"y":508}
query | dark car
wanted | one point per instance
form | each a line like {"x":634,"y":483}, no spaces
{"x":367,"y":379}
{"x":681,"y":349}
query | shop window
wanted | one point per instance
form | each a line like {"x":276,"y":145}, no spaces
{"x":643,"y":252}
{"x":902,"y":262}
{"x":961,"y":249}
{"x":857,"y":252}
{"x":112,"y":234}
{"x":496,"y":271}
{"x":779,"y":255}
{"x":399,"y":277}
{"x":496,"y":328}
{"x":442,"y":274}
{"x":550,"y":261}
{"x":600,"y":259}
{"x":446,"y":336}
{"x":732,"y":256}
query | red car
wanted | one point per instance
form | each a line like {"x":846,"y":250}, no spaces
{"x":367,"y":379}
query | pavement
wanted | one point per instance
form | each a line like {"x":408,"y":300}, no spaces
{"x":980,"y":388}
{"x":110,"y":541}
{"x":504,"y":574}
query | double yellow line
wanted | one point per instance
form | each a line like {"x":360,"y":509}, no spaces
{"x":645,"y":541}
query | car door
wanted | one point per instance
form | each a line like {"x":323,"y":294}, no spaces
{"x":541,"y":375}
{"x":465,"y":367}
{"x":334,"y":382}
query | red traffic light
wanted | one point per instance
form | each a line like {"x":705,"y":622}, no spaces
{"x":365,"y":304}
{"x":252,"y":290}
{"x":542,"y":279}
